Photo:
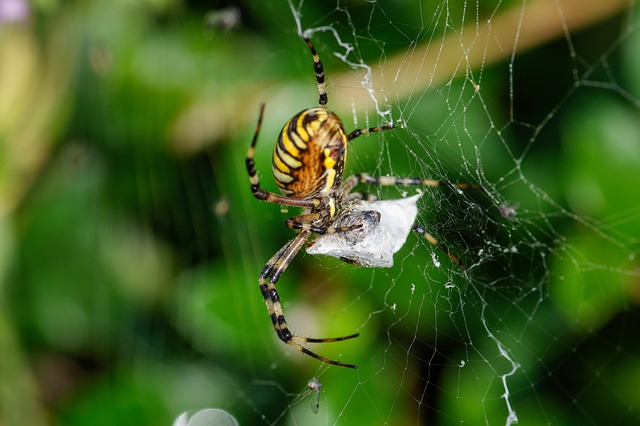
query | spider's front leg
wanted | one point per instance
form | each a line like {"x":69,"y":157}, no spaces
{"x":366,"y":178}
{"x":268,"y":278}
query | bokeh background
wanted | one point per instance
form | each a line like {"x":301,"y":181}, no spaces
{"x":130,"y":244}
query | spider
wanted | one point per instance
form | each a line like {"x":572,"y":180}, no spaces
{"x":308,"y":161}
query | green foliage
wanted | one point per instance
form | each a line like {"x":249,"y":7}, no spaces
{"x":130,"y":244}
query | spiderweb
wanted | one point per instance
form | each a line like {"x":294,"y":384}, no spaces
{"x":537,"y":102}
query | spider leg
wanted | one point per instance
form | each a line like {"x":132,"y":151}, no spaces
{"x":260,"y":193}
{"x":359,"y":196}
{"x":433,"y":240}
{"x":366,"y":178}
{"x":268,"y":278}
{"x":320,"y":357}
{"x":319,"y":69}
{"x":406,"y":181}
{"x":359,"y":132}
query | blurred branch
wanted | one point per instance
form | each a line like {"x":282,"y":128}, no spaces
{"x":34,"y":91}
{"x":431,"y":64}
{"x":19,"y":400}
{"x":502,"y":36}
{"x":34,"y":88}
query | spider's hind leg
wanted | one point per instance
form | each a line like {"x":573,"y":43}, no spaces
{"x":268,"y":278}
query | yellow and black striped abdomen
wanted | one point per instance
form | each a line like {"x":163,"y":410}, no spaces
{"x":309,"y":156}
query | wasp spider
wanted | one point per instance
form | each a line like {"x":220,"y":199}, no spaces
{"x":308,"y":160}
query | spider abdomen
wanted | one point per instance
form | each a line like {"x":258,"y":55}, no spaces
{"x":309,"y":156}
